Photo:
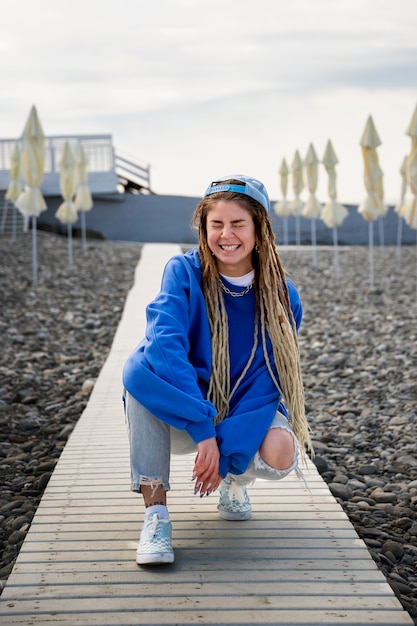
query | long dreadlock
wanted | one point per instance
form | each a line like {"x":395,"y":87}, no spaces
{"x":273,"y":316}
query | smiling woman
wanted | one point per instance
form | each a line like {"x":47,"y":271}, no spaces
{"x":219,"y":369}
{"x":231,"y":237}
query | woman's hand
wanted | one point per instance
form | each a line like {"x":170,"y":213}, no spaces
{"x":206,"y":467}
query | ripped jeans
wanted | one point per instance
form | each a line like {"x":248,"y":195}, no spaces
{"x":152,"y":442}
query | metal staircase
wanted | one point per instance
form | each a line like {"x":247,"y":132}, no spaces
{"x":11,"y":220}
{"x":132,"y":177}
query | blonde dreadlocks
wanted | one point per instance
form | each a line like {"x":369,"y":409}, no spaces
{"x":273,"y":316}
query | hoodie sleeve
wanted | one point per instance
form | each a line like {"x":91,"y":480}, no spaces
{"x":295,"y":301}
{"x":159,"y":373}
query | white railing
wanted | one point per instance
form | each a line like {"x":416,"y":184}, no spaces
{"x":131,"y":173}
{"x":102,"y":177}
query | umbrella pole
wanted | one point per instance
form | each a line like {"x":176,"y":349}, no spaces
{"x":336,"y":254}
{"x":313,"y":241}
{"x":371,"y":254}
{"x":69,"y":233}
{"x":83,"y":234}
{"x":381,"y":232}
{"x":399,"y":235}
{"x":285,"y":230}
{"x":297,"y":232}
{"x":34,"y":253}
{"x":14,"y":223}
{"x":4,"y":216}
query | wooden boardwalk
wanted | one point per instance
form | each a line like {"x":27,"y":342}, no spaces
{"x":297,"y":561}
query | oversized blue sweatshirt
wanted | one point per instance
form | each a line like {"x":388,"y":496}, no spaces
{"x":169,"y":371}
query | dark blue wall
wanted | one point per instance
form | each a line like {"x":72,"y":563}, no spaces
{"x":154,"y":218}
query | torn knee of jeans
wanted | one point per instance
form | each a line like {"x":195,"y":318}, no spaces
{"x":261,"y":464}
{"x":154,"y":483}
{"x":295,"y":440}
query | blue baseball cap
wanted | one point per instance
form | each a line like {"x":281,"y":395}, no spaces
{"x":247,"y":186}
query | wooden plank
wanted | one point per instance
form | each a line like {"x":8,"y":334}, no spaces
{"x":284,"y":571}
{"x":123,"y":615}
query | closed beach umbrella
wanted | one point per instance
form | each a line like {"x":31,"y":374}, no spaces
{"x":282,"y":208}
{"x":409,"y":210}
{"x":312,"y":207}
{"x":83,"y":200}
{"x":14,"y":188}
{"x":67,"y":213}
{"x":372,"y":207}
{"x":333,"y":213}
{"x":298,"y":186}
{"x":400,"y":206}
{"x":31,"y":201}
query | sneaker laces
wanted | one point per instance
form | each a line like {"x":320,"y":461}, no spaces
{"x":236,"y":492}
{"x":152,"y":525}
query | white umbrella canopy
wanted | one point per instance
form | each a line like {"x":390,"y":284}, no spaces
{"x":372,"y":207}
{"x":298,"y":186}
{"x":403,"y":171}
{"x":409,"y":210}
{"x":67,"y":213}
{"x":15,"y":188}
{"x":400,"y":205}
{"x":282,"y":208}
{"x":312,"y":207}
{"x":333,"y":213}
{"x":31,"y":201}
{"x":83,"y":200}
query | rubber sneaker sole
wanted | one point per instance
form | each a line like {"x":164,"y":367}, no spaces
{"x":156,"y":558}
{"x":232,"y":516}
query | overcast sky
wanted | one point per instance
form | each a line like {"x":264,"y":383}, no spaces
{"x":200,"y":89}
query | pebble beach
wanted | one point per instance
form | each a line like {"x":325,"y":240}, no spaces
{"x":359,"y":359}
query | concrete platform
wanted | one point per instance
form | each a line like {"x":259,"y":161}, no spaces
{"x":297,"y":561}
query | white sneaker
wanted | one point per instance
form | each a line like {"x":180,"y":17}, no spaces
{"x":155,"y":544}
{"x":234,"y":504}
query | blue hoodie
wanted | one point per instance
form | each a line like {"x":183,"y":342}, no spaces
{"x":169,"y":371}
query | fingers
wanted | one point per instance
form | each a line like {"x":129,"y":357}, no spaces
{"x":205,"y":484}
{"x":203,"y":488}
{"x":206,"y":467}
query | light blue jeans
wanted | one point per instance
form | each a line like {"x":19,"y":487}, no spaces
{"x":152,"y":442}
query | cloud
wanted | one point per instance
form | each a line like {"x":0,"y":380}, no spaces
{"x":192,"y":86}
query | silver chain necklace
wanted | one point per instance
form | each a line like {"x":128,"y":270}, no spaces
{"x":236,"y":294}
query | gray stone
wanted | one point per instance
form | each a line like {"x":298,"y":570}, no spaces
{"x":340,"y":491}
